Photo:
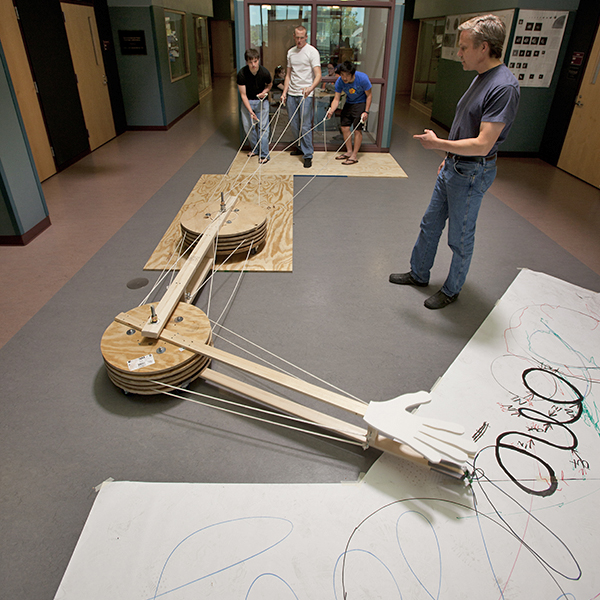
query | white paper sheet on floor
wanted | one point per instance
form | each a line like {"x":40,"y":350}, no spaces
{"x":409,"y":533}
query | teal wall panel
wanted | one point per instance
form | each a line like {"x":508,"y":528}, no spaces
{"x":138,"y":74}
{"x":392,"y":74}
{"x":181,"y":95}
{"x":151,"y":99}
{"x":21,"y":197}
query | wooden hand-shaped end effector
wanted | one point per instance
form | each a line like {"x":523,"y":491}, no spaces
{"x":436,"y":440}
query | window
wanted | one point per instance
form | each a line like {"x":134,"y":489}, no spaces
{"x":358,"y":31}
{"x":354,"y":34}
{"x":429,"y":52}
{"x":272,"y":31}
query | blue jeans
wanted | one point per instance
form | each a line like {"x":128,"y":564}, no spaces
{"x":260,"y":128}
{"x":301,"y":119}
{"x":457,"y":196}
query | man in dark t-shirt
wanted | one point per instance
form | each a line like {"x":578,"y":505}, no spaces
{"x":254,"y":83}
{"x":484,"y":116}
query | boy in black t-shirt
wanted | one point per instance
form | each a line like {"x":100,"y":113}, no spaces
{"x":254,"y":83}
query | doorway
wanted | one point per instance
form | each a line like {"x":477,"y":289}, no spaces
{"x":429,"y":52}
{"x":358,"y":33}
{"x":202,"y":55}
{"x":580,"y":155}
{"x":84,"y":43}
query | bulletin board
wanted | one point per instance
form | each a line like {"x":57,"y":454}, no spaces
{"x":536,"y":45}
{"x":452,"y":34}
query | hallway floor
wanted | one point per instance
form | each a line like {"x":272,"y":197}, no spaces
{"x":65,"y":427}
{"x":91,"y":200}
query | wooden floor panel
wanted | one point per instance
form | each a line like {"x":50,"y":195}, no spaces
{"x":370,"y":164}
{"x":274,"y":193}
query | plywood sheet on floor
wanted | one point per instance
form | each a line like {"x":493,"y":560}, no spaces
{"x":275,"y":193}
{"x":370,"y":164}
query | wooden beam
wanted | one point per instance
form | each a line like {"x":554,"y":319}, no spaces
{"x":176,"y":290}
{"x":353,"y":406}
{"x":197,"y":280}
{"x":328,"y":422}
{"x":290,"y":407}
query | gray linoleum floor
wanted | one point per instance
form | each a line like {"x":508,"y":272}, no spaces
{"x":66,"y":428}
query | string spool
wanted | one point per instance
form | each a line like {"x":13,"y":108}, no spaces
{"x":139,"y":365}
{"x":246,"y":227}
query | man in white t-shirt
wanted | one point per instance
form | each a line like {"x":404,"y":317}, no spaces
{"x":302,"y":77}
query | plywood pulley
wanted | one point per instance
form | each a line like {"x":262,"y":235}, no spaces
{"x":170,"y":343}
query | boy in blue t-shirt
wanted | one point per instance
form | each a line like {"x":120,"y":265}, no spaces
{"x":357,"y":87}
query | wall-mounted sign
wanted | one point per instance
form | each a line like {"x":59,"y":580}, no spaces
{"x":132,"y":42}
{"x":536,"y":45}
{"x":452,"y":34}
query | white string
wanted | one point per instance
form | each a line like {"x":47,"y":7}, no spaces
{"x":276,"y":119}
{"x":256,"y":409}
{"x":325,"y":132}
{"x":210,"y":278}
{"x":283,"y":360}
{"x":327,"y":163}
{"x":166,"y":270}
{"x":234,"y":289}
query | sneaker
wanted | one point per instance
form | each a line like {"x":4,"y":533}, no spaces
{"x":406,"y":279}
{"x":307,"y":163}
{"x":439,"y":300}
{"x":296,"y":152}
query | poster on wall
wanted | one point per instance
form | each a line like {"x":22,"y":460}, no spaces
{"x":452,"y":34}
{"x":535,"y":47}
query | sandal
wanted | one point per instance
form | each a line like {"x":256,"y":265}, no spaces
{"x":264,"y":161}
{"x":350,"y":161}
{"x":251,"y":154}
{"x":342,"y":157}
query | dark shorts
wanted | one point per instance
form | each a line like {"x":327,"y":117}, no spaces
{"x":351,"y":113}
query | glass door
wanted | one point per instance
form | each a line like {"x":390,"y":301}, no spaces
{"x":429,"y":52}
{"x":203,"y":55}
{"x":355,"y":32}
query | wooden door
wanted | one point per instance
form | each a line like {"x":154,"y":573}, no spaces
{"x":24,"y":86}
{"x":221,"y":34}
{"x":86,"y":54}
{"x":580,"y":154}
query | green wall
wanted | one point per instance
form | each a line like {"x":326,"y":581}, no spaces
{"x":528,"y":129}
{"x":427,"y":9}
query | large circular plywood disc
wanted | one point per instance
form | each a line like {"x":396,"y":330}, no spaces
{"x":245,"y":227}
{"x":142,"y":365}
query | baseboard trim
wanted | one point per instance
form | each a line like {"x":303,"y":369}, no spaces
{"x":161,"y":127}
{"x":28,"y":236}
